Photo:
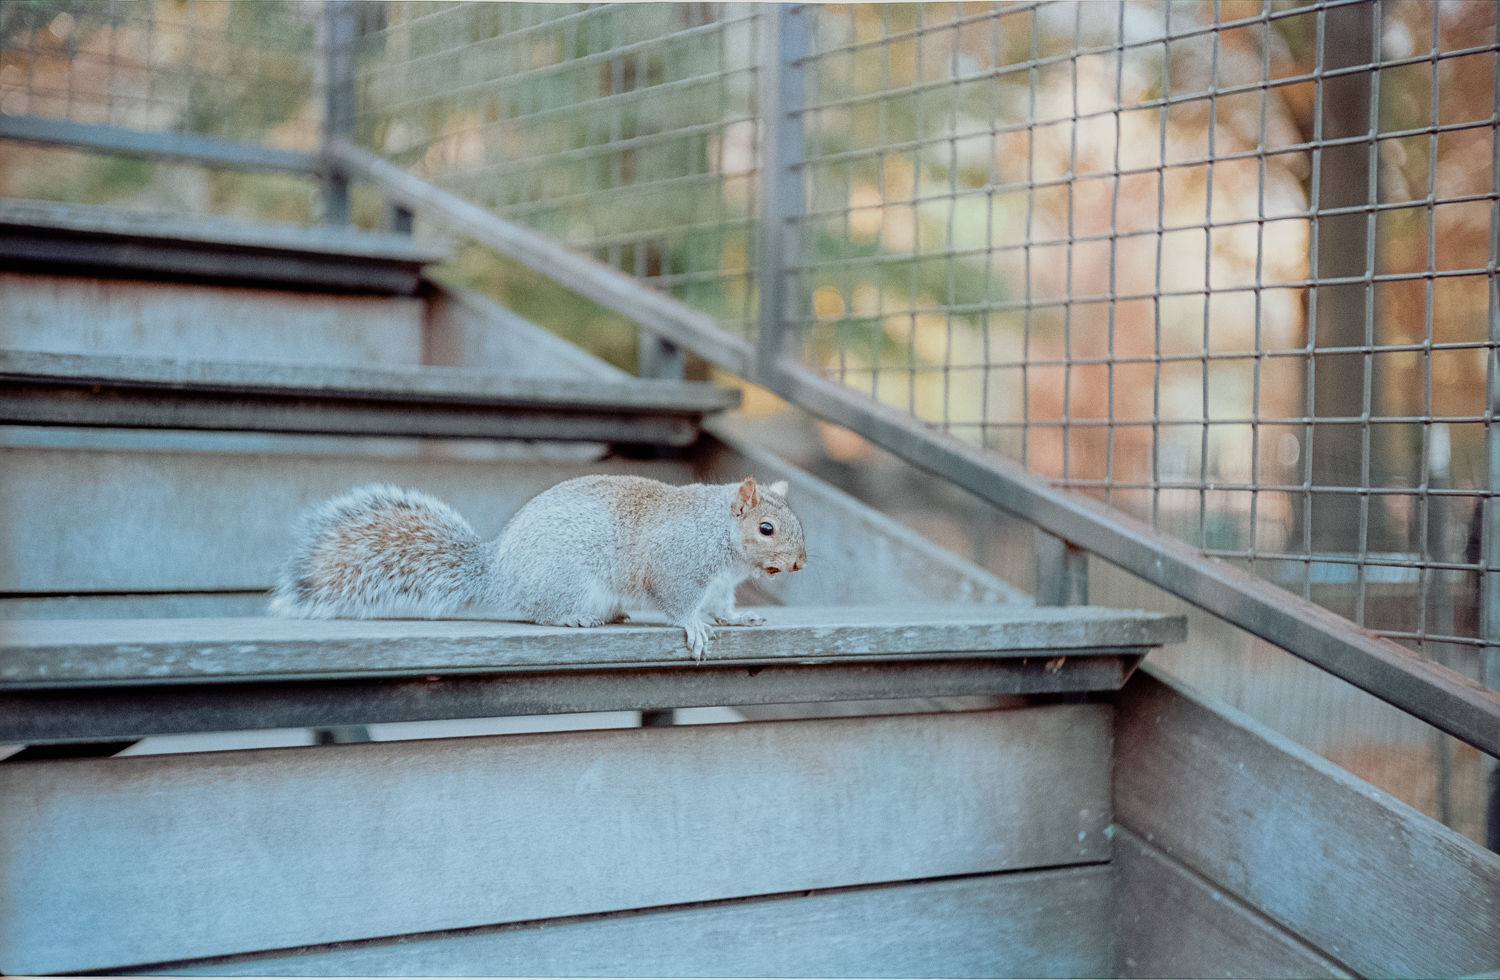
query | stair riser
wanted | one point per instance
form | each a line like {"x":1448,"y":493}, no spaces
{"x":80,"y":521}
{"x":165,"y":605}
{"x":82,"y":315}
{"x":281,"y":848}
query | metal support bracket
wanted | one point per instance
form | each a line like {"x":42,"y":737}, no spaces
{"x":1062,"y":571}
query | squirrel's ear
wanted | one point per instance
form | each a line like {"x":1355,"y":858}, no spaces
{"x":779,"y":488}
{"x":745,"y":497}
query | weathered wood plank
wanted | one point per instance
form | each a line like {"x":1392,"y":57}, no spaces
{"x":71,"y":714}
{"x":1022,"y":924}
{"x":100,"y":652}
{"x":161,"y":605}
{"x":446,"y":327}
{"x":1173,"y":923}
{"x":48,"y":236}
{"x":82,"y":315}
{"x":408,"y":384}
{"x":243,"y":851}
{"x":235,"y":233}
{"x":132,"y":406}
{"x":76,"y":521}
{"x":1359,"y":875}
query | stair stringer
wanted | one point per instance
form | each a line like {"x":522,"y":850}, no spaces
{"x":1245,"y":854}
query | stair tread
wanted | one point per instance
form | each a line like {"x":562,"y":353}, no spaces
{"x":100,"y":241}
{"x":52,"y":653}
{"x":410,"y":384}
{"x":93,"y":220}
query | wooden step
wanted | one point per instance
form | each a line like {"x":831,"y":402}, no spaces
{"x":98,"y":680}
{"x":429,"y":857}
{"x":93,"y":240}
{"x":132,"y":392}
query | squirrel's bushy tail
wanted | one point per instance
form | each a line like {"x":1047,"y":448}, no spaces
{"x":380,"y":551}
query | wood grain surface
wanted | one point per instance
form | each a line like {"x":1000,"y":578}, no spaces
{"x":1174,"y":923}
{"x":1357,"y":874}
{"x":61,"y":652}
{"x":113,"y":862}
{"x":1053,"y":923}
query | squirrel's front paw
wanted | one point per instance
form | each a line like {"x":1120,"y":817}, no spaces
{"x":698,"y":635}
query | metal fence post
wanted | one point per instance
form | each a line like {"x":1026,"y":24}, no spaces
{"x":1061,"y":571}
{"x":1489,"y":577}
{"x":336,"y":40}
{"x":659,"y":357}
{"x":399,"y":219}
{"x":783,"y":46}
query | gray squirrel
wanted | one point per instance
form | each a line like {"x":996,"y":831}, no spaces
{"x":575,"y":555}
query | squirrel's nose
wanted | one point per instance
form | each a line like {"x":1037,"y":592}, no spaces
{"x":797,"y":565}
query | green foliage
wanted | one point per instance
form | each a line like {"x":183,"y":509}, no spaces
{"x":262,"y":84}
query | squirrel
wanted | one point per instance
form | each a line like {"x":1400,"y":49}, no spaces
{"x":574,"y":555}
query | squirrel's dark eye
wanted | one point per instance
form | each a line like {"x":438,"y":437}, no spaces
{"x":767,"y":529}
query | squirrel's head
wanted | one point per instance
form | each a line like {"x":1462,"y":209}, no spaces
{"x":770,"y":532}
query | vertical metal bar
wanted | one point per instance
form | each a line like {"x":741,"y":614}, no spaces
{"x":1114,"y":257}
{"x":1156,"y":284}
{"x":1033,"y":83}
{"x":1208,"y":254}
{"x":1489,"y":575}
{"x":992,"y":177}
{"x":399,"y":219}
{"x":1069,"y":237}
{"x":882,"y":139}
{"x":1061,"y":571}
{"x":949,"y":262}
{"x":336,"y":30}
{"x":913,"y":277}
{"x":659,"y":357}
{"x":782,"y":180}
{"x":1260,"y":254}
{"x":1367,"y":362}
{"x":1343,"y":174}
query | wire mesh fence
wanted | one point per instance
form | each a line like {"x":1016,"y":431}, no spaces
{"x":241,"y":70}
{"x":246,"y":72}
{"x":1224,"y":266}
{"x":625,"y":131}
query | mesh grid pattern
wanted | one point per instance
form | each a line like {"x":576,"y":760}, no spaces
{"x":627,"y":132}
{"x":237,"y":70}
{"x":1223,"y":266}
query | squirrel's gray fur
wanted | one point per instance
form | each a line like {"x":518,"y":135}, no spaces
{"x":575,"y":555}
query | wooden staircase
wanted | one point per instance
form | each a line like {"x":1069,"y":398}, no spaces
{"x":930,"y":775}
